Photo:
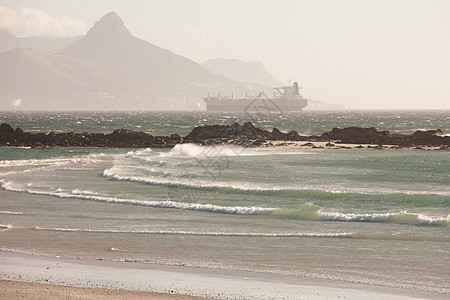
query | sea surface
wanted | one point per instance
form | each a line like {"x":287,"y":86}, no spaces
{"x":377,"y":217}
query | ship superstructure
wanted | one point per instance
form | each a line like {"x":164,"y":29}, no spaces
{"x":286,"y":98}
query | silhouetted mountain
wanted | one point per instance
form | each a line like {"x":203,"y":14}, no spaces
{"x":252,"y":72}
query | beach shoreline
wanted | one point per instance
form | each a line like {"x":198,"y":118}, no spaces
{"x":48,"y":276}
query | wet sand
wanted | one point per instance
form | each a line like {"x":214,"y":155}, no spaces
{"x":56,"y":278}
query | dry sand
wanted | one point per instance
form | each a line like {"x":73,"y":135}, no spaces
{"x":25,"y":290}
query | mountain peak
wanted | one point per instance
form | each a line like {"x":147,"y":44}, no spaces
{"x":109,"y":24}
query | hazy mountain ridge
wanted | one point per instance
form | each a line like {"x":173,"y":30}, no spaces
{"x":242,"y":71}
{"x":53,"y":44}
{"x":40,"y":72}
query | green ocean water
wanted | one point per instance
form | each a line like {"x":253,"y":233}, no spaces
{"x":363,"y":215}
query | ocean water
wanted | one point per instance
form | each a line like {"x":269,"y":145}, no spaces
{"x":372,"y":216}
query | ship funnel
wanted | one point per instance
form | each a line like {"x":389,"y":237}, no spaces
{"x":296,"y":92}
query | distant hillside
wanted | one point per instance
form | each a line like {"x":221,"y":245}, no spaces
{"x":252,"y":72}
{"x":34,"y":72}
{"x":41,"y":43}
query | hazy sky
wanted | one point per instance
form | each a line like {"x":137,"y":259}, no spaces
{"x":358,"y":53}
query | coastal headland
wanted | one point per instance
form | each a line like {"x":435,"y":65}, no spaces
{"x":246,"y":135}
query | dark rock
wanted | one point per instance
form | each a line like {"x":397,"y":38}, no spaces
{"x":357,"y":135}
{"x":207,"y":132}
{"x":428,"y":133}
{"x":245,"y":135}
{"x":175,"y":137}
{"x":276,"y":133}
{"x":293,"y":136}
{"x":429,"y":137}
{"x":6,"y":130}
{"x":354,"y":135}
{"x":18,"y":131}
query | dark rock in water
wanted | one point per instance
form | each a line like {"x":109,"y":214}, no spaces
{"x":357,"y":135}
{"x":429,"y":137}
{"x":206,"y":132}
{"x":276,"y":133}
{"x":428,"y":133}
{"x":120,"y":138}
{"x":6,"y":130}
{"x":293,"y":136}
{"x":246,"y":131}
{"x":354,"y":135}
{"x":175,"y":136}
{"x":246,"y":135}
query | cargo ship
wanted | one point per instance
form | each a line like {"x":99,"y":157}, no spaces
{"x":285,"y":99}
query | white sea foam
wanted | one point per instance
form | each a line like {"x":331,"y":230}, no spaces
{"x":41,"y":162}
{"x":121,"y":173}
{"x":348,"y":235}
{"x":4,"y":227}
{"x":6,"y":212}
{"x":399,"y":218}
{"x":86,"y":195}
{"x":140,"y":152}
{"x":193,"y":150}
{"x":180,"y":232}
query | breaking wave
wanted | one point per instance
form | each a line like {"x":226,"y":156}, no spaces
{"x":170,"y":179}
{"x":6,"y":212}
{"x":309,"y":212}
{"x":347,"y":235}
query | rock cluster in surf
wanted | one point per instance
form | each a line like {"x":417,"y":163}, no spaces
{"x":245,"y":135}
{"x":120,"y":138}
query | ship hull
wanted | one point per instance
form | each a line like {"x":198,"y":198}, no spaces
{"x":254,"y":105}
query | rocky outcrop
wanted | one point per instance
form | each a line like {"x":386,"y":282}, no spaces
{"x":247,"y":132}
{"x":120,"y":138}
{"x":245,"y":135}
{"x":357,"y":135}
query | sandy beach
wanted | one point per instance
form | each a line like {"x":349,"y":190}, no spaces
{"x":24,"y":276}
{"x":26,"y":290}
